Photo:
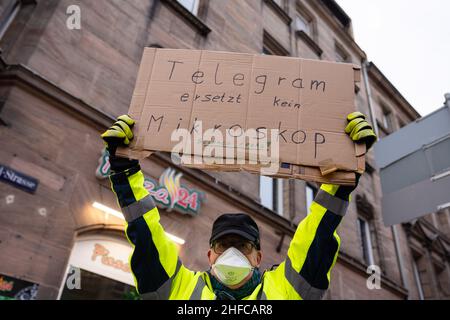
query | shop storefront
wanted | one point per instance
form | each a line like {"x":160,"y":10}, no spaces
{"x":98,"y":266}
{"x":99,"y":269}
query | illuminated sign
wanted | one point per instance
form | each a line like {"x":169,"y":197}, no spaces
{"x":106,"y":259}
{"x":104,"y":167}
{"x":105,"y":256}
{"x":167,"y":192}
{"x":171,"y":195}
{"x":16,"y":289}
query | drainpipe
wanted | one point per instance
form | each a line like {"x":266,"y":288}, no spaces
{"x":365,"y":65}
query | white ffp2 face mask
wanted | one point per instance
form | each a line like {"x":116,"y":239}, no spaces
{"x":231,"y":267}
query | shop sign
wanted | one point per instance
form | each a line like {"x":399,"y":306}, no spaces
{"x":18,"y":179}
{"x":16,"y":289}
{"x":105,"y":258}
{"x":103,"y":169}
{"x":108,"y":258}
{"x":167,"y":192}
{"x":171,"y":195}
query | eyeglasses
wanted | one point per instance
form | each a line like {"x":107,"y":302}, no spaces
{"x":219,"y":247}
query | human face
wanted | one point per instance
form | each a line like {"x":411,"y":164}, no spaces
{"x":247,"y":248}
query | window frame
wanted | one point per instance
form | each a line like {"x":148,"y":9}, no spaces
{"x":306,"y":22}
{"x":279,"y":196}
{"x":366,"y":240}
{"x":272,"y":47}
{"x":417,"y":279}
{"x":275,"y":194}
{"x":282,"y":5}
{"x":340,"y":51}
{"x":268,"y":203}
{"x":314,"y":190}
{"x":194,"y":9}
{"x":401,"y":123}
{"x":194,"y":20}
{"x":387,"y":117}
{"x":304,"y":14}
{"x":11,"y":13}
{"x":387,"y":120}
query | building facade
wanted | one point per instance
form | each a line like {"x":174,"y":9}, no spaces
{"x":68,"y":68}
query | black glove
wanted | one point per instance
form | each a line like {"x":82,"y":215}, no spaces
{"x":344,"y":192}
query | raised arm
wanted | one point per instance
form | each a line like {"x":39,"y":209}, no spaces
{"x":313,"y":251}
{"x":154,"y":263}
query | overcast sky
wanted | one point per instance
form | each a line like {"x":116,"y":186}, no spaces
{"x":409,"y":40}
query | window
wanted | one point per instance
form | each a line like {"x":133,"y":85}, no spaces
{"x":306,"y":31}
{"x":401,"y":123}
{"x":97,"y":287}
{"x":366,"y":241}
{"x":267,"y":51}
{"x":302,"y":23}
{"x":340,"y":54}
{"x":417,"y":280}
{"x":191,"y":5}
{"x":311,"y":192}
{"x":280,"y":3}
{"x":271,"y":193}
{"x":9,"y":13}
{"x":387,"y":122}
{"x":386,"y":118}
{"x":444,"y":221}
{"x":192,"y":11}
{"x":443,"y":279}
{"x":272,"y":46}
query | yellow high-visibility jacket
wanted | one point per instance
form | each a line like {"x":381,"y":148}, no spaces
{"x":159,"y":273}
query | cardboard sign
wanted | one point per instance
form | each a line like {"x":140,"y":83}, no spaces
{"x":307,"y":101}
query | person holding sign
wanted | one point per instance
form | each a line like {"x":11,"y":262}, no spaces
{"x":235,"y":251}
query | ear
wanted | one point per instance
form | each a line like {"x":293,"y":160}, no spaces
{"x":209,"y":257}
{"x":259,"y":256}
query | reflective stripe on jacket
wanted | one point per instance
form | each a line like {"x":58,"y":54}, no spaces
{"x":159,"y":274}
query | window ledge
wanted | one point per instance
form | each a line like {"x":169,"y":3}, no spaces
{"x":199,"y":25}
{"x":274,"y":45}
{"x":279,"y":10}
{"x":309,"y":41}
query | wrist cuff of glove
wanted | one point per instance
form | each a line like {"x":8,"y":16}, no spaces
{"x":119,"y":164}
{"x":344,"y":192}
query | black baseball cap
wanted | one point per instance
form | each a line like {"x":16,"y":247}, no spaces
{"x":240,"y":224}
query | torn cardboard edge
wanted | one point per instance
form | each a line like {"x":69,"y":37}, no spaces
{"x":285,"y":170}
{"x":288,"y":172}
{"x":326,"y":173}
{"x":126,"y":152}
